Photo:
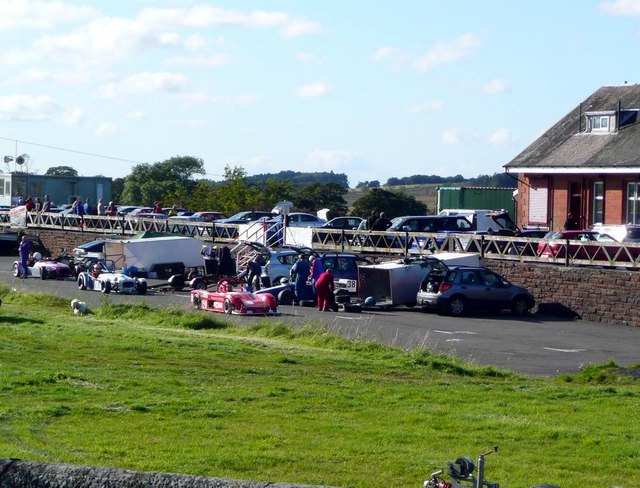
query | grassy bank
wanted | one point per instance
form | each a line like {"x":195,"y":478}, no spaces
{"x":173,"y":391}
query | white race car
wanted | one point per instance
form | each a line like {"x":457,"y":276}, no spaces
{"x":102,"y":278}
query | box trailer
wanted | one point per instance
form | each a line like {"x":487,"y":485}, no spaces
{"x":476,"y":197}
{"x":397,"y":283}
{"x":160,"y":257}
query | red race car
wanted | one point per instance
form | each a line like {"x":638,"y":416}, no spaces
{"x":237,"y":302}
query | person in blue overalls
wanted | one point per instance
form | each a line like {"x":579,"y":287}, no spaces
{"x":300,"y":273}
{"x":24,"y":249}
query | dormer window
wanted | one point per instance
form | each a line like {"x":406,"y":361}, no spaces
{"x":601,"y":122}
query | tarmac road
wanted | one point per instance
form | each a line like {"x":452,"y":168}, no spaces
{"x":539,"y":345}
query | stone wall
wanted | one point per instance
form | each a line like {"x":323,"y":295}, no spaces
{"x":15,"y":473}
{"x":602,"y":295}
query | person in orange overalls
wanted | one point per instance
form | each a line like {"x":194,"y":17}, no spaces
{"x":324,"y":287}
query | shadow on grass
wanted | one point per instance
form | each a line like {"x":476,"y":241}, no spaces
{"x":18,"y":320}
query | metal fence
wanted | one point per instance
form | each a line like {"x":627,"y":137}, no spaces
{"x":590,"y":253}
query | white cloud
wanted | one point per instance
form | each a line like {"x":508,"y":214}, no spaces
{"x":431,"y":106}
{"x":449,"y":52}
{"x":73,"y":116}
{"x":496,"y":86}
{"x":394,"y":55}
{"x":298,"y":28}
{"x":500,"y":136}
{"x":451,"y":136}
{"x":41,"y":14}
{"x":24,"y":107}
{"x":195,"y":42}
{"x":323,"y":160}
{"x":190,"y":122}
{"x":622,"y":7}
{"x":213,"y":61}
{"x":314,"y":90}
{"x":145,"y":84}
{"x":106,"y":129}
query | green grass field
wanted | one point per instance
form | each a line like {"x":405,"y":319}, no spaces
{"x":179,"y":391}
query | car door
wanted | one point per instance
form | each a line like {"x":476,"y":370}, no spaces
{"x":471,"y":287}
{"x":494,"y":292}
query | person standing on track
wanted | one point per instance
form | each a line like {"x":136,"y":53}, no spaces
{"x":324,"y":288}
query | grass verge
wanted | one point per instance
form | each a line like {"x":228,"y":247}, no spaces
{"x":174,"y":391}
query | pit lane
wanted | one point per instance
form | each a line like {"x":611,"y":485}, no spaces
{"x":537,"y":345}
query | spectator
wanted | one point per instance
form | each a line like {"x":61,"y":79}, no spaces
{"x":372,"y":219}
{"x":157,"y":207}
{"x":300,"y":273}
{"x":252,"y":273}
{"x":24,"y":249}
{"x":381,"y":223}
{"x":38,"y":205}
{"x":46,"y":205}
{"x":100,"y":209}
{"x":570,"y":223}
{"x":324,"y":288}
{"x":30,"y":205}
{"x":88,"y":208}
{"x":172,"y":212}
{"x":112,"y":209}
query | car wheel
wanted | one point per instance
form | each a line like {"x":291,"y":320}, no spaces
{"x":228,"y":306}
{"x":16,"y":270}
{"x":44,"y":273}
{"x":457,"y":306}
{"x":82,"y":284}
{"x":276,"y":281}
{"x":520,"y":306}
{"x":141,"y":287}
{"x":197,"y":301}
{"x":285,"y":297}
{"x":410,"y":304}
{"x":105,"y":287}
{"x":199,"y":284}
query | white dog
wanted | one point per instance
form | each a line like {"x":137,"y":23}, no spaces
{"x":78,"y":307}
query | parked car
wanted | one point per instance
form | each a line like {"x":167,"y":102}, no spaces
{"x":90,"y":250}
{"x":126,"y":209}
{"x":344,"y":268}
{"x":43,"y":268}
{"x":245,"y":217}
{"x":347,"y":223}
{"x":103,"y":277}
{"x":458,"y":290}
{"x":583,"y":244}
{"x":230,"y":298}
{"x":621,"y":233}
{"x":199,"y":217}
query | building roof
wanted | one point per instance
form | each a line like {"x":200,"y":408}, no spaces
{"x":567,"y":148}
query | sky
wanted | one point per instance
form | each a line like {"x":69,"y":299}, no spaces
{"x":374,"y":89}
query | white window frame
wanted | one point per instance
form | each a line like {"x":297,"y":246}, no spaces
{"x":633,"y":202}
{"x":597,"y":216}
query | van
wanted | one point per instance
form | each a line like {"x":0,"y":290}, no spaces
{"x":485,"y":221}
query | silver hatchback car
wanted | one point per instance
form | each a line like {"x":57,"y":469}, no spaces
{"x":462,"y":289}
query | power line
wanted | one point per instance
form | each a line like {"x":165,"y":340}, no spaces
{"x":71,"y":150}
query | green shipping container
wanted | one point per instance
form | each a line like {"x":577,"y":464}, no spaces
{"x":476,"y":198}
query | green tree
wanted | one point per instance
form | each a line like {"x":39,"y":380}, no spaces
{"x":61,"y":171}
{"x":393,"y":204}
{"x":149,"y":183}
{"x":317,"y":196}
{"x":272,"y":191}
{"x":117,"y":185}
{"x":234,"y":194}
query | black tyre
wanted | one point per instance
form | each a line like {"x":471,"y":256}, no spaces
{"x":199,"y":284}
{"x":520,"y":306}
{"x":82,"y":284}
{"x":16,"y":270}
{"x":410,"y":304}
{"x":342,"y":296}
{"x":276,"y":281}
{"x":228,"y":306}
{"x":105,"y":287}
{"x":285,"y":297}
{"x":44,"y":273}
{"x":457,"y":306}
{"x":141,"y":287}
{"x":197,"y":301}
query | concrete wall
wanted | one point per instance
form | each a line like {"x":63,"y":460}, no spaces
{"x":24,"y":474}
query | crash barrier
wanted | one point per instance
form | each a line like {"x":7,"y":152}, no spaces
{"x":569,"y":253}
{"x":15,"y":473}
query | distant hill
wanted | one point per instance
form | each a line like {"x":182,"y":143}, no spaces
{"x":422,"y":193}
{"x":301,"y":179}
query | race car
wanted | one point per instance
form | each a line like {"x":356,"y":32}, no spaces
{"x":103,"y":278}
{"x":238,"y":302}
{"x":43,"y":268}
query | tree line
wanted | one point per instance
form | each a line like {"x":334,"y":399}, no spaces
{"x":175,"y":182}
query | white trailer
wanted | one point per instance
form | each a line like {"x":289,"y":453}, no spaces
{"x":160,"y":257}
{"x":397,"y":282}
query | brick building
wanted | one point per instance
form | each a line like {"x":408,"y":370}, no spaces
{"x":588,"y":164}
